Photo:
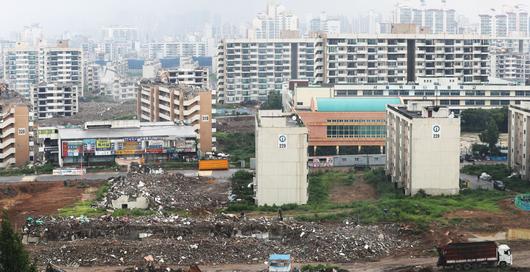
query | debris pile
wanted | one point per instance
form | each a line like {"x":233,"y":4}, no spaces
{"x":221,"y":240}
{"x":168,"y":191}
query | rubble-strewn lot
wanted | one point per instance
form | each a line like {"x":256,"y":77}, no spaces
{"x":90,"y":111}
{"x":170,"y":191}
{"x":181,"y":241}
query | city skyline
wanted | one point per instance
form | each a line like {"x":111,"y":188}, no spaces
{"x":186,"y":17}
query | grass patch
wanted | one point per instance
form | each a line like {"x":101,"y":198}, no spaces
{"x":27,"y":170}
{"x":240,"y":146}
{"x":497,"y":171}
{"x":391,"y":205}
{"x":321,"y":268}
{"x":321,"y":182}
{"x":102,"y":191}
{"x":81,"y":208}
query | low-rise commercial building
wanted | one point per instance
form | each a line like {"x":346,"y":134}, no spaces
{"x":346,"y":126}
{"x":178,"y":103}
{"x":518,"y":139}
{"x":441,"y":91}
{"x":101,"y":142}
{"x":281,"y":159}
{"x":16,"y":135}
{"x":423,"y":148}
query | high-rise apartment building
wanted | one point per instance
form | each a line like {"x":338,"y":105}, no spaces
{"x":92,"y":80}
{"x":518,"y":139}
{"x":510,"y":65}
{"x":26,"y":67}
{"x":178,"y":103}
{"x":51,"y":100}
{"x":273,"y":23}
{"x":173,"y":49}
{"x":423,"y":148}
{"x":323,"y":24}
{"x":433,"y":20}
{"x":120,"y":33}
{"x":511,"y":23}
{"x":250,"y":69}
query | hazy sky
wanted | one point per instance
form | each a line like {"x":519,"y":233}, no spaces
{"x":175,"y":16}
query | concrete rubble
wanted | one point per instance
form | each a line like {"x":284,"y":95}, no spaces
{"x":168,"y":192}
{"x":217,"y":240}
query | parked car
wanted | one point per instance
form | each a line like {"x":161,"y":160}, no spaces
{"x":499,"y":185}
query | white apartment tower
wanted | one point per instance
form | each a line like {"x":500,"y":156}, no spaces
{"x":513,"y":22}
{"x":52,"y":100}
{"x":422,"y":149}
{"x":272,"y":23}
{"x":434,"y":20}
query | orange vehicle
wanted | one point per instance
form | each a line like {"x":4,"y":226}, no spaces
{"x":213,"y":165}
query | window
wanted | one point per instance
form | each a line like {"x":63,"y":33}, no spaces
{"x":356,"y":131}
{"x":205,"y":118}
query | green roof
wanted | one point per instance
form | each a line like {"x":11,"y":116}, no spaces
{"x":355,"y":104}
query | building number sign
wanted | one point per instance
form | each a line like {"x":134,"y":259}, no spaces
{"x":282,"y":141}
{"x":436,"y":131}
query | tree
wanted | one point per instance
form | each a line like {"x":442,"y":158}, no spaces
{"x":13,"y":257}
{"x":490,"y":135}
{"x":274,"y":101}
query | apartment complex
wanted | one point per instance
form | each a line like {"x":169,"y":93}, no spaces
{"x":27,"y":66}
{"x":512,"y":23}
{"x":92,"y":84}
{"x":518,"y":139}
{"x":511,"y":65}
{"x":281,"y":160}
{"x":51,"y":100}
{"x":250,"y":69}
{"x":423,"y":148}
{"x":274,"y":23}
{"x":16,"y":135}
{"x":178,"y":103}
{"x":442,"y":91}
{"x":434,"y":20}
{"x":172,"y":49}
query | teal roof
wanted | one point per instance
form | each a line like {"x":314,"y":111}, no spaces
{"x":355,"y":104}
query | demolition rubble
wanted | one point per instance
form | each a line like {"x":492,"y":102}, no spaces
{"x":165,"y":192}
{"x":218,"y":240}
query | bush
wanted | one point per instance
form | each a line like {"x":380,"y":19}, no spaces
{"x":320,"y":183}
{"x":321,"y":268}
{"x":240,"y":146}
{"x":497,"y":171}
{"x":240,"y":186}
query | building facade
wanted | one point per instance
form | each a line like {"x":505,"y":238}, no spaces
{"x":172,"y":49}
{"x":250,"y":69}
{"x":512,"y":23}
{"x":346,"y":126}
{"x":21,"y":68}
{"x":189,"y":75}
{"x":281,"y":160}
{"x":518,"y":139}
{"x":423,"y":148}
{"x":178,"y":103}
{"x":443,"y":92}
{"x":16,"y":134}
{"x":273,"y":23}
{"x":52,"y":100}
{"x":102,"y":142}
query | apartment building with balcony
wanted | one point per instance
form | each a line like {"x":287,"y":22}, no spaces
{"x":92,"y":79}
{"x":250,"y":69}
{"x":63,"y":65}
{"x":51,"y":100}
{"x":423,"y":148}
{"x":518,"y":139}
{"x":511,"y":65}
{"x":190,"y":105}
{"x":189,"y":75}
{"x":21,"y":68}
{"x":16,"y":135}
{"x":25,"y":66}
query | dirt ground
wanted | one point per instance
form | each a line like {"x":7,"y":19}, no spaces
{"x":89,"y":111}
{"x":37,"y":199}
{"x":232,"y":124}
{"x":360,"y":190}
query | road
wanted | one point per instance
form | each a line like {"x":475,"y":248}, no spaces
{"x":221,"y":175}
{"x":520,"y":259}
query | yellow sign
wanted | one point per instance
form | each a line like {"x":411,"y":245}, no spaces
{"x":102,"y":144}
{"x":125,"y":152}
